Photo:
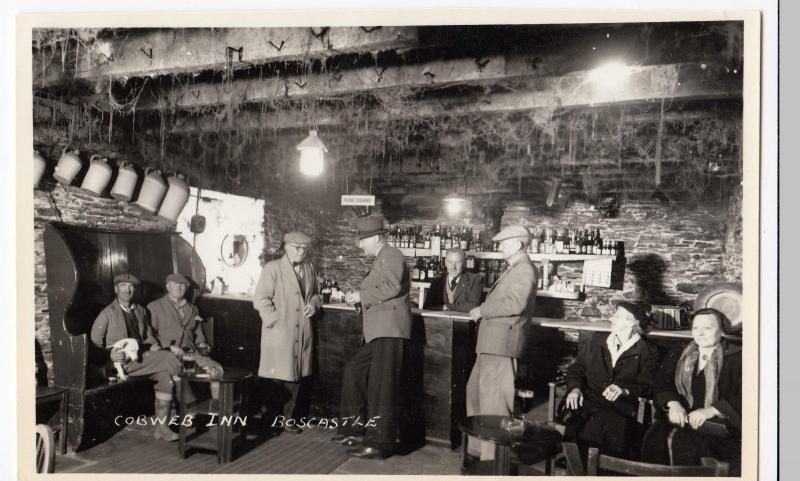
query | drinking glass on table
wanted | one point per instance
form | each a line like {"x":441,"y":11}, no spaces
{"x":189,"y":361}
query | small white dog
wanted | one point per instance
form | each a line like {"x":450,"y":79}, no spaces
{"x":131,"y":349}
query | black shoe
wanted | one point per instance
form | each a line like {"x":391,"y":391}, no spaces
{"x":347,"y":440}
{"x":292,"y":429}
{"x":367,"y":452}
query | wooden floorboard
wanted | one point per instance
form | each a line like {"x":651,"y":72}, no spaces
{"x":136,"y":451}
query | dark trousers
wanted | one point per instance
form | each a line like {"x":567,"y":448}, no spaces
{"x":159,"y":366}
{"x":281,"y":397}
{"x":371,"y":392}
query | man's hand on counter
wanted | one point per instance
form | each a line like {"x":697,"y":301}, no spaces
{"x":309,"y":310}
{"x":353,"y":298}
{"x":475,"y":313}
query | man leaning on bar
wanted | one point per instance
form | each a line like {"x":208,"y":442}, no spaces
{"x":503,"y":318}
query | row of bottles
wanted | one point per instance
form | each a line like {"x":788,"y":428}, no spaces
{"x":439,"y":238}
{"x":426,"y":269}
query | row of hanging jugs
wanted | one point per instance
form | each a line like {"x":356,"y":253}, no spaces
{"x":154,"y":189}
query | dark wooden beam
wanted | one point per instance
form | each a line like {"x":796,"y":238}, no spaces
{"x":645,"y":84}
{"x":148,"y":53}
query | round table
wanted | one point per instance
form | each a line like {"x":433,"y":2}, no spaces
{"x":222,"y":418}
{"x":538,"y":437}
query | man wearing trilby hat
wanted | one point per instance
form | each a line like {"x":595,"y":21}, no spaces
{"x":503,"y":317}
{"x":287,"y":297}
{"x":371,"y":379}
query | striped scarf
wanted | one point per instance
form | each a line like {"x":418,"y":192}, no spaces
{"x":687,"y":364}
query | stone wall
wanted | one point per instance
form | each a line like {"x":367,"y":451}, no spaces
{"x":673,"y":250}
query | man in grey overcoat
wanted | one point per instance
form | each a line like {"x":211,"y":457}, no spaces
{"x":503,"y":319}
{"x":287,"y":297}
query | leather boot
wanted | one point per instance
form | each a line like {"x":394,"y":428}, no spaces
{"x":161,"y":430}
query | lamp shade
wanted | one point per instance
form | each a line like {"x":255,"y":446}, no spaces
{"x":312,"y":154}
{"x":454,"y":204}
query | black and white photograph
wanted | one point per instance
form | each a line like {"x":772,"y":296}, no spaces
{"x":499,"y":248}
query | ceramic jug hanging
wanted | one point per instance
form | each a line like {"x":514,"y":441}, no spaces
{"x":153,"y":189}
{"x":39,"y":166}
{"x":176,"y":198}
{"x":98,"y":176}
{"x":68,"y":166}
{"x":125,"y":183}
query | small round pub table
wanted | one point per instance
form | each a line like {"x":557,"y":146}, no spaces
{"x":224,"y":414}
{"x":539,"y":441}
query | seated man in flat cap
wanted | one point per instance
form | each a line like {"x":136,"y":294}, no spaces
{"x":178,"y":326}
{"x":123,"y":319}
{"x":371,"y":379}
{"x":287,"y":297}
{"x":457,"y":290}
{"x":503,"y":318}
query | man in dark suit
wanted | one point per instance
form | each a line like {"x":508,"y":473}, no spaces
{"x":504,"y":317}
{"x":371,"y":380}
{"x":457,"y":290}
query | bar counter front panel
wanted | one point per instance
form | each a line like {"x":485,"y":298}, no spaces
{"x":439,"y":358}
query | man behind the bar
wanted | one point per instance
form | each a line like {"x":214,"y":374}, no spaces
{"x":371,"y":380}
{"x":123,"y":319}
{"x":287,"y":297}
{"x":177,"y":325}
{"x":457,"y":290}
{"x":503,"y":317}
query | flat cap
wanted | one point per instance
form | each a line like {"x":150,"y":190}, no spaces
{"x":512,"y":232}
{"x":177,"y":278}
{"x":126,"y":277}
{"x":296,"y":237}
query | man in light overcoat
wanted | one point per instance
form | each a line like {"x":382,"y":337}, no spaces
{"x":287,"y":297}
{"x":503,"y":319}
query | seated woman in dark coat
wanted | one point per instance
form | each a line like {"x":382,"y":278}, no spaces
{"x":604,"y":384}
{"x":700,"y":388}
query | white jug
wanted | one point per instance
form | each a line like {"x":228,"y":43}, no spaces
{"x":153,"y":189}
{"x":68,"y":166}
{"x":39,"y":166}
{"x":98,"y":176}
{"x":125,"y":183}
{"x":176,"y":199}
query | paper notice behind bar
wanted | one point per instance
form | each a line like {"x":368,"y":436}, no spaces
{"x":597,"y":272}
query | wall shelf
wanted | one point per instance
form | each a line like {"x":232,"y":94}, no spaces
{"x":412,"y":252}
{"x":553,"y":294}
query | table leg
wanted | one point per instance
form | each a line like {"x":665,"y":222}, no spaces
{"x":502,"y":460}
{"x":62,"y":436}
{"x":224,"y":433}
{"x":181,"y":414}
{"x":464,"y":450}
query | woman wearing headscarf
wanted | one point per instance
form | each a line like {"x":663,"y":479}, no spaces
{"x":605,"y":382}
{"x":700,"y":389}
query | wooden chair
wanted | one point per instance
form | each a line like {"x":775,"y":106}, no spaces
{"x":596,"y":461}
{"x":645,"y":414}
{"x":45,"y":449}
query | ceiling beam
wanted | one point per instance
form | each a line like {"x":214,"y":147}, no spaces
{"x":427,"y":75}
{"x":191,"y":50}
{"x":645,"y":84}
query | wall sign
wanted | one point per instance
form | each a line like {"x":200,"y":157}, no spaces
{"x":358,"y":200}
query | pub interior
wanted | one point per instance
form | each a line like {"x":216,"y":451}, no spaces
{"x":607,"y":155}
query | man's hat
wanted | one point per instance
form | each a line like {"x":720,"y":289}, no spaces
{"x":369,"y":226}
{"x":125,"y":277}
{"x":513,"y":232}
{"x":177,"y":278}
{"x":296,"y":237}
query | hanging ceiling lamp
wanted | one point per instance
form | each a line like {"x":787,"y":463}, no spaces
{"x":312,"y":152}
{"x":454,"y":204}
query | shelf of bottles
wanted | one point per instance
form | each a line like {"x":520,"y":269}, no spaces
{"x":429,"y":245}
{"x":546,"y":244}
